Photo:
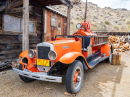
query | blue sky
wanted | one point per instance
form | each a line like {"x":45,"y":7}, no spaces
{"x":112,"y":3}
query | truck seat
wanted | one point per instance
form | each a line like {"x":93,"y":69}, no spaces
{"x":86,"y":42}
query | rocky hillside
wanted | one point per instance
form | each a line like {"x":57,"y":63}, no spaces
{"x":102,"y":19}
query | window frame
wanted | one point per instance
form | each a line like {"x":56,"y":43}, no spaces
{"x":17,"y":33}
{"x":54,"y":16}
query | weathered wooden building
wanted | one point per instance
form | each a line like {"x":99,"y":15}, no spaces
{"x":55,"y":23}
{"x":44,"y":23}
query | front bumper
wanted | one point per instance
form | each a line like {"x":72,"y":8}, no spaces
{"x":38,"y":75}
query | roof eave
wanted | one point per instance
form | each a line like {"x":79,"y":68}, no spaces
{"x":56,"y":11}
{"x":66,"y":2}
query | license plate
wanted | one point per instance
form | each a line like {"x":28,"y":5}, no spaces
{"x":43,"y":62}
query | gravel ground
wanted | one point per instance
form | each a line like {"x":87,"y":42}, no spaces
{"x":104,"y":80}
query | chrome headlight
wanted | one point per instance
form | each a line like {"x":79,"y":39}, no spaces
{"x":52,"y":55}
{"x":31,"y":53}
{"x":78,"y":26}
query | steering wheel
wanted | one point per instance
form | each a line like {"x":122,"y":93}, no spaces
{"x":78,"y":33}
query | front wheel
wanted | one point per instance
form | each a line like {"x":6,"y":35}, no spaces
{"x":25,"y":79}
{"x":74,"y":77}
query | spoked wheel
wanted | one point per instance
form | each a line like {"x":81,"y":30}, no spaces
{"x":77,"y":77}
{"x":74,"y":77}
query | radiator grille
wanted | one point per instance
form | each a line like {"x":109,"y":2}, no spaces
{"x":43,"y":52}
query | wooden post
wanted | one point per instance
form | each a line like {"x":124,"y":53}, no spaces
{"x":9,"y":4}
{"x":68,"y":21}
{"x":42,"y":30}
{"x":25,"y":40}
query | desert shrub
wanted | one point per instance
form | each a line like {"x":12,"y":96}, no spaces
{"x":128,"y":22}
{"x":110,"y":14}
{"x":128,"y":28}
{"x":116,"y":27}
{"x":107,"y":22}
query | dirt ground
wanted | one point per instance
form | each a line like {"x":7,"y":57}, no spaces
{"x":104,"y":80}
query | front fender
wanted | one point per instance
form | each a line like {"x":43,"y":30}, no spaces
{"x":31,"y":61}
{"x":71,"y":57}
{"x":25,"y":54}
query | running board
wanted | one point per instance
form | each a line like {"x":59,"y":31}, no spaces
{"x":95,"y":59}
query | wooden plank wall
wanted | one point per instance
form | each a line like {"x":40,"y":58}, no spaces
{"x":11,"y":44}
{"x":11,"y":47}
{"x":53,"y":31}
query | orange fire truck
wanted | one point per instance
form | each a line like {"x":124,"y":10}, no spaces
{"x":66,"y":56}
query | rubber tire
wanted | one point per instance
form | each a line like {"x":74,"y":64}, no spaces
{"x":25,"y":79}
{"x":69,"y":77}
{"x":110,"y":57}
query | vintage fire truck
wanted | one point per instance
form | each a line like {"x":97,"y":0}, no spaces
{"x":65,"y":57}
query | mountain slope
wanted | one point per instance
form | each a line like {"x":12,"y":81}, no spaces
{"x":102,"y":19}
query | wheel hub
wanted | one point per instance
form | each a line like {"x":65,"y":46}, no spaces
{"x":77,"y":77}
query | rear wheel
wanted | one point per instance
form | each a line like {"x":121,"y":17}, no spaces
{"x":25,"y":79}
{"x":110,"y":57}
{"x":74,"y":77}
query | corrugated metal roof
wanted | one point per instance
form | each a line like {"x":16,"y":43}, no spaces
{"x":56,"y":11}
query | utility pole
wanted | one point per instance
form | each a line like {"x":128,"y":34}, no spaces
{"x":25,"y":36}
{"x":85,"y":16}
